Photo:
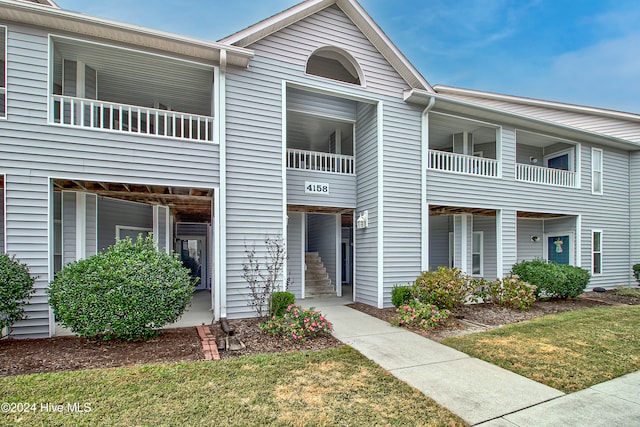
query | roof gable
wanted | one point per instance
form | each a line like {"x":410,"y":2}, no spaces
{"x":355,"y":13}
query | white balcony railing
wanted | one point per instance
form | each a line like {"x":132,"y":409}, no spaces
{"x":90,"y":113}
{"x":461,"y":163}
{"x":321,"y":162}
{"x":543,"y":175}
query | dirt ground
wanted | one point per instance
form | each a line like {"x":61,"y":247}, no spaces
{"x":183,"y":344}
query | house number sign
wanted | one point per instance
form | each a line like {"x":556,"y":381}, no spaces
{"x":316,"y":187}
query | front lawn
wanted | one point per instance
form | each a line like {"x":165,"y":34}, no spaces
{"x":329,"y":387}
{"x":568,"y":351}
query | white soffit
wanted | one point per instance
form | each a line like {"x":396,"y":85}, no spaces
{"x":56,"y":19}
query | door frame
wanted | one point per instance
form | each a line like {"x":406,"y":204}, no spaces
{"x":572,"y":245}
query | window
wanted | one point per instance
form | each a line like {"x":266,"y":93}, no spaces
{"x":596,"y":171}
{"x":562,"y":160}
{"x":336,"y":64}
{"x":596,"y":248}
{"x":476,"y":253}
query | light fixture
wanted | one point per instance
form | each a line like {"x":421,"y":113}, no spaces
{"x":533,"y":160}
{"x":363,"y":220}
{"x":534,"y":238}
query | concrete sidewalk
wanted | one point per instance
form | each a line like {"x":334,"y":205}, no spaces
{"x":477,"y":391}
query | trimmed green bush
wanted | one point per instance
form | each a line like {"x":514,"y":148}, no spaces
{"x":512,"y":292}
{"x":551,"y":279}
{"x":16,"y":287}
{"x":280,"y":301}
{"x":401,"y":295}
{"x":125,"y":292}
{"x":419,"y":314}
{"x":445,"y":288}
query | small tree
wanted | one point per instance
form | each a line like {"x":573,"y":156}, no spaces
{"x":262,"y":282}
{"x":16,"y":288}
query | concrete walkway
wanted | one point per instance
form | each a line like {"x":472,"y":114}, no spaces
{"x":477,"y":391}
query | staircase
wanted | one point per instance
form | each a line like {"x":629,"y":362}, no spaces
{"x":317,"y":282}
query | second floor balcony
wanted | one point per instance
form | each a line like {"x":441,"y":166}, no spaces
{"x":109,"y":88}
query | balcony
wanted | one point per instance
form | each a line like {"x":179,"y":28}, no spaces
{"x":545,"y":175}
{"x":89,"y":113}
{"x":463,"y":164}
{"x":320,"y":162}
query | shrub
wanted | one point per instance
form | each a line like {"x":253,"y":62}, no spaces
{"x":16,"y":288}
{"x":445,"y":288}
{"x":297,"y":324}
{"x":401,"y":295}
{"x":551,"y":279}
{"x":420,"y":314}
{"x":124,"y":292}
{"x":512,"y":292}
{"x":636,"y":272}
{"x":280,"y":301}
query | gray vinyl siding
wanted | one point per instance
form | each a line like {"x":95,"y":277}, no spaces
{"x":91,"y":239}
{"x":112,"y":212}
{"x":342,"y":189}
{"x":402,"y":201}
{"x":439,"y":228}
{"x":321,"y":234}
{"x":68,"y":227}
{"x":487,"y":224}
{"x":366,"y":240}
{"x":295,"y":250}
{"x":320,"y":104}
{"x":634,"y":188}
{"x":33,"y":151}
{"x":526,"y":152}
{"x":527,"y":249}
{"x":609,"y":212}
{"x":1,"y":217}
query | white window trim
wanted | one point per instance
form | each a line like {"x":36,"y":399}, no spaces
{"x":593,"y":172}
{"x":481,"y":253}
{"x":4,"y":88}
{"x":593,"y":252}
{"x":127,"y":227}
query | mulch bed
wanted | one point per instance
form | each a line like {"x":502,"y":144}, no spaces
{"x":481,"y":317}
{"x":183,"y":344}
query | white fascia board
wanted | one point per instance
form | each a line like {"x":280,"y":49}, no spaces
{"x":58,"y":19}
{"x":421,"y":97}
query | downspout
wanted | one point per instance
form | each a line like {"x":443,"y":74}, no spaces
{"x":424,"y":260}
{"x":223,"y":185}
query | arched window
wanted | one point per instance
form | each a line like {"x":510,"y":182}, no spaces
{"x":334,"y":63}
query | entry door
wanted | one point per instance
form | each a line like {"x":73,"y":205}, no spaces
{"x":193,"y":254}
{"x":559,"y":249}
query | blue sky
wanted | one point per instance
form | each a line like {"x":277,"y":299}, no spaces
{"x":575,"y":51}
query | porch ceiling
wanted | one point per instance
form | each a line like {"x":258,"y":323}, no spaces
{"x":186,"y":204}
{"x":318,"y":209}
{"x":439,"y":210}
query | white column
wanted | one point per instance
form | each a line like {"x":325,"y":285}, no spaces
{"x":81,"y":226}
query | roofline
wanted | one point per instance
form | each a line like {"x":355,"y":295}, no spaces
{"x":421,"y":97}
{"x":539,"y":103}
{"x":58,"y":19}
{"x":356,"y":13}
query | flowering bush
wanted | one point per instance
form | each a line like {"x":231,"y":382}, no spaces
{"x":297,"y":324}
{"x":445,"y":288}
{"x":420,"y":314}
{"x":512,"y":292}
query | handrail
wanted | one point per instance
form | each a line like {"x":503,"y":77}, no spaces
{"x":321,"y":162}
{"x":462,"y":163}
{"x":91,"y":113}
{"x":545,"y":175}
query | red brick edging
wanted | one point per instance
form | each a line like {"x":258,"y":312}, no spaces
{"x":209,"y":346}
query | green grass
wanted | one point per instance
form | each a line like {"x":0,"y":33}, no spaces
{"x":330,"y":387}
{"x":629,"y":292}
{"x":569,"y":351}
